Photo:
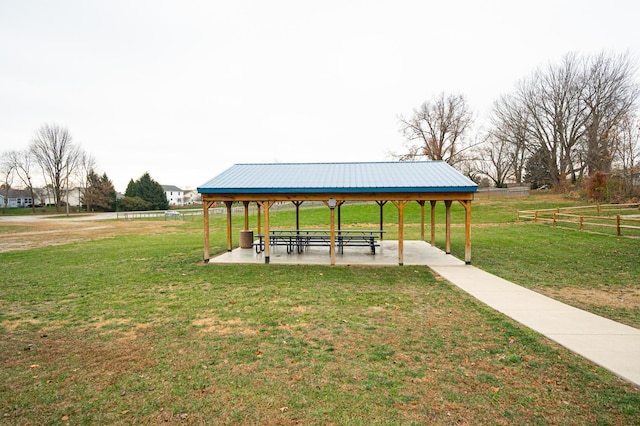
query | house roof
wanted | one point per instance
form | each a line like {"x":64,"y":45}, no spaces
{"x":357,"y":177}
{"x":17,"y":193}
{"x":171,"y":188}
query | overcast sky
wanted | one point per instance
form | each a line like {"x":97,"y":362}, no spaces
{"x":185,"y":89}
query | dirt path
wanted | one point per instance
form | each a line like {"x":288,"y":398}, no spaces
{"x":17,"y":233}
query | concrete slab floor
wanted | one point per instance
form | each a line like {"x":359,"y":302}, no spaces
{"x":415,"y":253}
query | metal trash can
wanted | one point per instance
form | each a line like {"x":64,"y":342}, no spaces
{"x":246,"y":239}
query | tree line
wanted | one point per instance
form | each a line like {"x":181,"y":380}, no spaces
{"x":53,"y":153}
{"x":61,"y":162}
{"x":571,"y":121}
{"x":568,"y":121}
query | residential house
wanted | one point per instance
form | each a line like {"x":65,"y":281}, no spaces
{"x":16,"y":198}
{"x":191,"y":196}
{"x":46,"y":197}
{"x":175,"y":195}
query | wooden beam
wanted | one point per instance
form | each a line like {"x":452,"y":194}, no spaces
{"x":340,"y":196}
{"x":400,"y":205}
{"x":297,"y":204}
{"x":332,"y":237}
{"x":246,"y":215}
{"x":259,"y":219}
{"x":467,"y":231}
{"x":332,"y":204}
{"x":229,"y":229}
{"x":381,"y":204}
{"x":266,"y":205}
{"x":205,"y":215}
{"x":421,"y":202}
{"x":433,"y":223}
{"x":447,"y":249}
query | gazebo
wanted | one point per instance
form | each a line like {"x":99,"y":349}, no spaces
{"x":336,"y":183}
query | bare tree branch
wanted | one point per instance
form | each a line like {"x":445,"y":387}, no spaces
{"x":611,"y":92}
{"x":56,"y":154}
{"x":437,"y":129}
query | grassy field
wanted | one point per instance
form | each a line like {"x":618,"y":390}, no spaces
{"x":135,"y":329}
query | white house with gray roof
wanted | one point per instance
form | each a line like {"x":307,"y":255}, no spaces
{"x":175,"y":195}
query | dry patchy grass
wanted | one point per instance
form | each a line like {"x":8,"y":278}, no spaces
{"x":151,"y":336}
{"x":423,"y":361}
{"x":38,"y":233}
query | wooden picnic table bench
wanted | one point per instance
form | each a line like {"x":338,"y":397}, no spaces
{"x":303,"y":238}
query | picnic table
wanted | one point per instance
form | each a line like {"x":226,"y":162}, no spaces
{"x":301,"y":239}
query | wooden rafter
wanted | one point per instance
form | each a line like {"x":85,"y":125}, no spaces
{"x":369,"y":196}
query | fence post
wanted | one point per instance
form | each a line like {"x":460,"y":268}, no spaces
{"x":581,"y":225}
{"x":618,"y":225}
{"x":598,"y":208}
{"x":535,"y":216}
{"x":555,"y":216}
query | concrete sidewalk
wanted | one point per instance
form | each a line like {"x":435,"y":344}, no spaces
{"x":611,"y":345}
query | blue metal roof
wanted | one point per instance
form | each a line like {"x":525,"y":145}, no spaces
{"x":306,"y":178}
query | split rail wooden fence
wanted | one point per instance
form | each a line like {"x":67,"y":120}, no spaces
{"x":618,"y":216}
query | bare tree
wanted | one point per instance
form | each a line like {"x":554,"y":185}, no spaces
{"x":509,"y":120}
{"x":627,"y":154}
{"x":567,"y":115}
{"x":86,"y":168}
{"x":437,"y":129}
{"x":557,"y":116}
{"x":496,"y":160}
{"x":610,"y":94}
{"x":7,"y":173}
{"x":22,"y":163}
{"x":58,"y":157}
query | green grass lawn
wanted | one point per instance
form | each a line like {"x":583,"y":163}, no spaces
{"x":27,"y":211}
{"x":138,"y":330}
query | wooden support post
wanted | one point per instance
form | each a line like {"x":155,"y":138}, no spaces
{"x":332,"y":236}
{"x":332,"y":204}
{"x":447,"y":249}
{"x":259,"y":219}
{"x":297,"y":204}
{"x":400,"y":205}
{"x":205,"y":215}
{"x":618,"y":225}
{"x":246,"y":215}
{"x":555,"y":218}
{"x":229,"y":228}
{"x":467,"y":231}
{"x":381,"y":204}
{"x":266,"y":205}
{"x":421,"y":202}
{"x":433,"y":223}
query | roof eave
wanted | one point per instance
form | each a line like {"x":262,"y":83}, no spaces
{"x":439,"y":189}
